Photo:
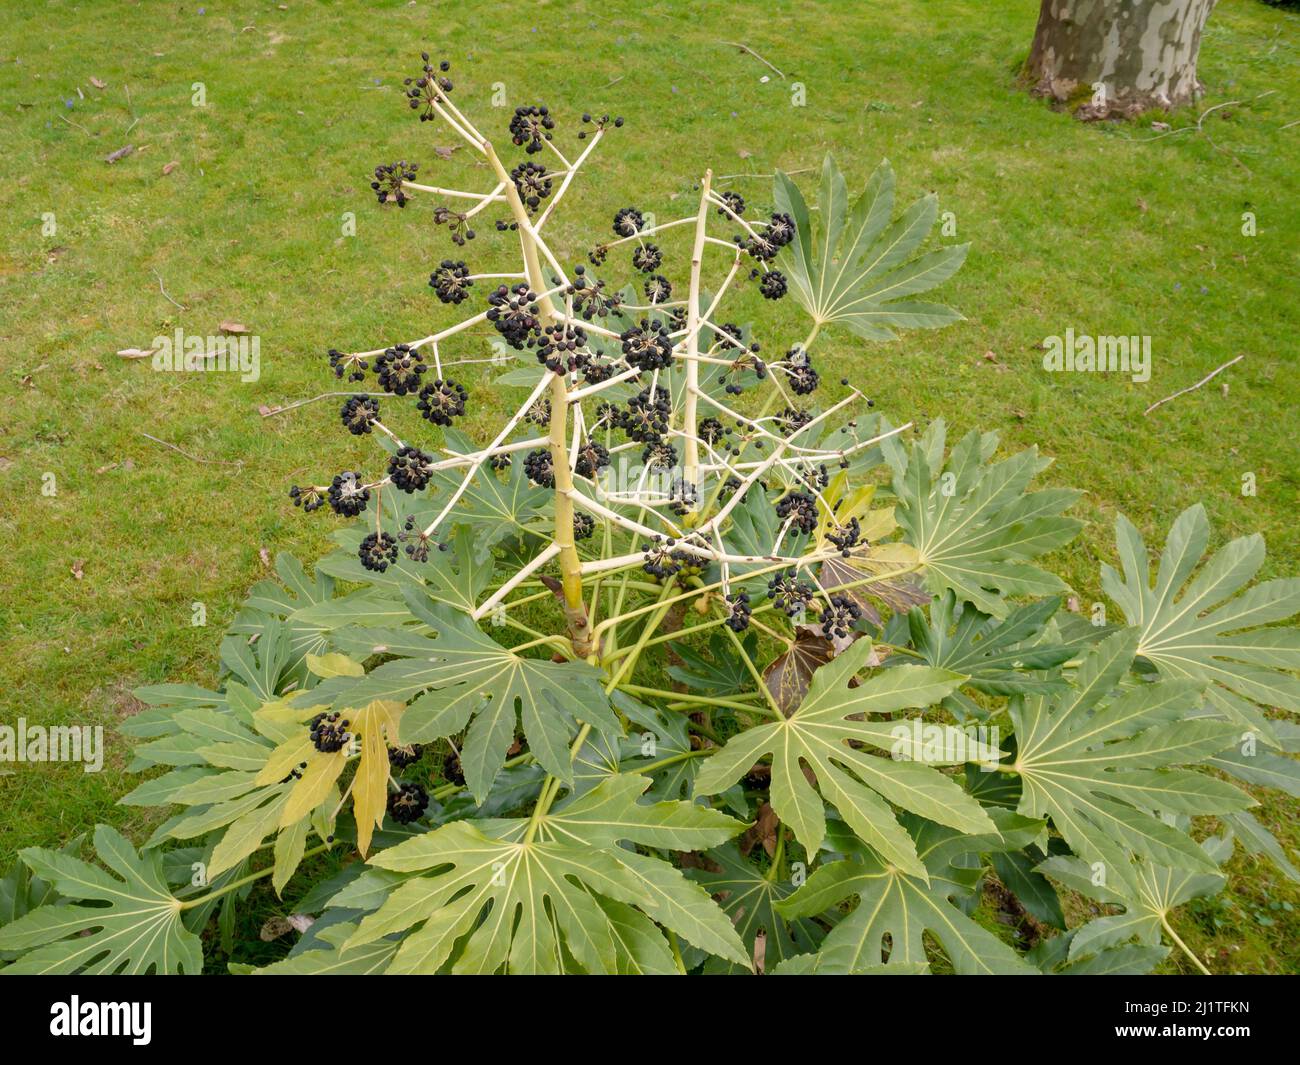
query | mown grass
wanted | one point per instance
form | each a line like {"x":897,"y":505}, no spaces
{"x":1107,"y":230}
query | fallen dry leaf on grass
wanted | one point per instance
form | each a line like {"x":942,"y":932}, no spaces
{"x":136,"y":353}
{"x":98,"y":84}
{"x":170,"y":167}
{"x":78,"y":568}
{"x":121,"y":153}
{"x":234,"y":328}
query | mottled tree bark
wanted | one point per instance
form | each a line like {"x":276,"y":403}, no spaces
{"x":1118,"y":58}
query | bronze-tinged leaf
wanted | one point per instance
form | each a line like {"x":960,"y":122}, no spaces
{"x":900,"y":594}
{"x":237,"y":329}
{"x":789,"y":675}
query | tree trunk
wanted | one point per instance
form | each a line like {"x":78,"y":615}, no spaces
{"x":1117,"y":59}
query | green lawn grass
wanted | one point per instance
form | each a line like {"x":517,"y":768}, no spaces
{"x":1111,"y":230}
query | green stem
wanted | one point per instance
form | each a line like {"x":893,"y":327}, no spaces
{"x":1183,"y":946}
{"x":683,"y":697}
{"x":680,"y":756}
{"x":758,"y":677}
{"x":235,"y":885}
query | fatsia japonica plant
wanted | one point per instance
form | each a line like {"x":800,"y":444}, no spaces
{"x":695,"y":662}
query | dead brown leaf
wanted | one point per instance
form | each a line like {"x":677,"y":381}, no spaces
{"x":136,"y":353}
{"x":763,"y":831}
{"x":98,"y":83}
{"x":234,"y":328}
{"x":273,"y":928}
{"x":121,"y":153}
{"x":78,"y":568}
{"x":169,"y":167}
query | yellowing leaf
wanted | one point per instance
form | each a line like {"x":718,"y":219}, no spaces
{"x":335,"y":665}
{"x":370,"y":785}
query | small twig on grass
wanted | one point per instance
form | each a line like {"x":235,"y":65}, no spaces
{"x":1193,"y":388}
{"x":272,"y":411}
{"x":746,"y":48}
{"x":733,"y":177}
{"x":78,"y":125}
{"x":164,"y":291}
{"x":195,"y":458}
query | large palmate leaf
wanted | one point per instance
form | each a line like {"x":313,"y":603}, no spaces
{"x":467,"y":678}
{"x":1097,"y":760}
{"x":1001,"y":657}
{"x":821,"y":734}
{"x":560,"y":895}
{"x":1201,"y":628}
{"x":856,"y":269}
{"x":749,"y":897}
{"x":895,"y":909}
{"x":287,"y":602}
{"x":974,"y":523}
{"x":1147,"y":892}
{"x":137,"y":930}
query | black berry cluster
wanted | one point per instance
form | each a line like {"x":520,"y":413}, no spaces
{"x":771,"y":283}
{"x":646,"y":417}
{"x":347,"y":495}
{"x":590,"y":298}
{"x":628,"y":222}
{"x":378,"y":551}
{"x":530,"y":126}
{"x":539,"y":468}
{"x":388,"y":181}
{"x":360,"y":413}
{"x":735,"y":201}
{"x":410,"y":469}
{"x":659,"y":455}
{"x":647,"y":258}
{"x":451,"y":281}
{"x":839,"y":617}
{"x":791,"y":419}
{"x":404,"y":755}
{"x":407,"y":803}
{"x":658,"y":289}
{"x":790,"y":594}
{"x":583,"y":526}
{"x":562,"y":348}
{"x":442,"y":400}
{"x":352,"y":365}
{"x":738,"y":611}
{"x":399,"y":369}
{"x":803,"y":378}
{"x":647,"y":346}
{"x":532,"y":183}
{"x":800,"y":509}
{"x":457,"y":223}
{"x":308,"y":498}
{"x":600,"y":123}
{"x":329,"y":733}
{"x":663,"y":559}
{"x":846,"y":537}
{"x":765,"y":246}
{"x":711,"y":430}
{"x":592,"y":457}
{"x":514,"y":313}
{"x":424,"y":91}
